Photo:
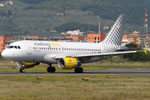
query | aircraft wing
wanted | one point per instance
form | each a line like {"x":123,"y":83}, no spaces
{"x":104,"y":54}
{"x":96,"y":55}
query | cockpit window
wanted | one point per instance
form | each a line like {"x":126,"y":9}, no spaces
{"x":15,"y":47}
{"x":19,"y":47}
{"x":10,"y":46}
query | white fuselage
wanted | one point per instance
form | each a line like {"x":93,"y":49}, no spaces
{"x":46,"y":51}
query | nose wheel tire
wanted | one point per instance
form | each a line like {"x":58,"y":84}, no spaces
{"x":78,"y":70}
{"x":21,"y":70}
{"x":51,"y":69}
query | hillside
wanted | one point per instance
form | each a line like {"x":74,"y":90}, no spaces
{"x":50,"y":17}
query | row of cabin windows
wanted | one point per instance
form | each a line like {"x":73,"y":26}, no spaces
{"x":66,"y":49}
{"x":15,"y":47}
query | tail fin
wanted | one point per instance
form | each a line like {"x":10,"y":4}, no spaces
{"x":115,"y":34}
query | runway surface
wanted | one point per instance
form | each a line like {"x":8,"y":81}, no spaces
{"x":101,"y":72}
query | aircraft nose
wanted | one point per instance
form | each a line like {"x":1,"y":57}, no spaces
{"x":9,"y":54}
{"x":4,"y":54}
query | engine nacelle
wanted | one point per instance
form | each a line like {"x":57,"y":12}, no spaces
{"x":27,"y":64}
{"x":68,"y":63}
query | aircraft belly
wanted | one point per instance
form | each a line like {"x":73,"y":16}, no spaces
{"x":49,"y":59}
{"x":92,"y":59}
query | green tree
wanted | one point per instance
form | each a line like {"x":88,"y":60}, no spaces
{"x":139,"y":56}
{"x":131,"y":45}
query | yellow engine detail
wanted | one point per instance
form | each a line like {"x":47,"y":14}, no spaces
{"x":27,"y":64}
{"x":68,"y":63}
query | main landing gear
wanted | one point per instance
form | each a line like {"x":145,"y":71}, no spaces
{"x":78,"y":70}
{"x":51,"y":69}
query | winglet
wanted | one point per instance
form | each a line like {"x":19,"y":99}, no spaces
{"x":145,"y":51}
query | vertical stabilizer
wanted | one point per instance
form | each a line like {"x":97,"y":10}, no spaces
{"x":115,"y":34}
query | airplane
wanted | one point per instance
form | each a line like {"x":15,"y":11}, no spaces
{"x":68,"y":55}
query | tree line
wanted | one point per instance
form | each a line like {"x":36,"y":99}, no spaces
{"x":139,"y":56}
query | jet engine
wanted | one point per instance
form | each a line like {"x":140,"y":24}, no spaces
{"x":68,"y":63}
{"x":27,"y":64}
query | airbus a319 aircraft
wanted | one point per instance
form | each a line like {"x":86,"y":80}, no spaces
{"x":67,"y":55}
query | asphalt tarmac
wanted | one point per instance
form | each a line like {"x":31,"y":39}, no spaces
{"x":100,"y":72}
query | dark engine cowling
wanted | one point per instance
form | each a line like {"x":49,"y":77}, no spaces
{"x":68,"y":63}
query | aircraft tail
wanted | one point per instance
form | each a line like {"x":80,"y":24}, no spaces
{"x":115,"y":34}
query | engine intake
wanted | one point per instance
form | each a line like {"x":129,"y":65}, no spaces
{"x":68,"y":63}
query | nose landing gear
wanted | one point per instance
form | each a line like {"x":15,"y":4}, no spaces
{"x":21,"y":70}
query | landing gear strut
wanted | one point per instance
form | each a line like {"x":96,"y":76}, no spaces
{"x":51,"y":69}
{"x":78,"y":70}
{"x":21,"y":70}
